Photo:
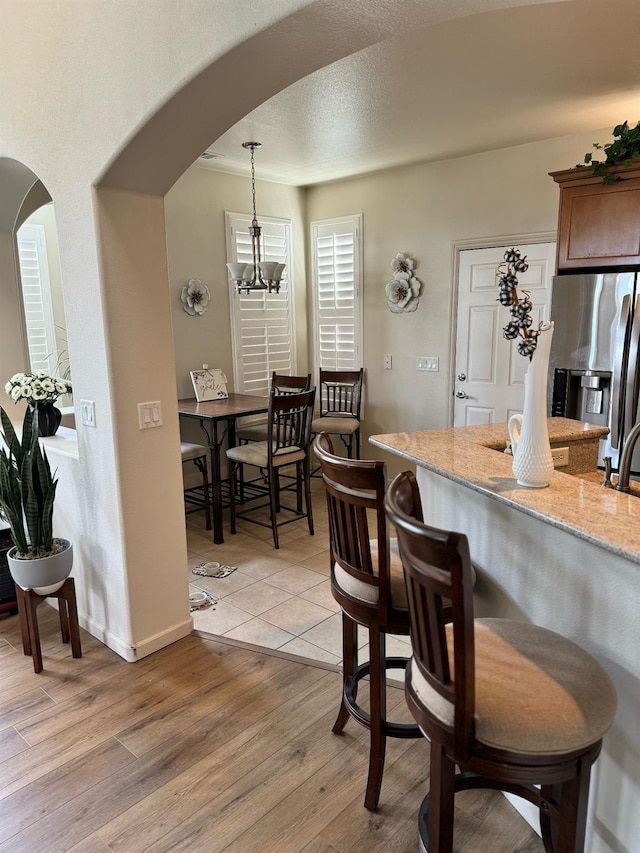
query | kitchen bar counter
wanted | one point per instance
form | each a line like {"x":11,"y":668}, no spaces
{"x":576,"y":503}
{"x":565,"y":557}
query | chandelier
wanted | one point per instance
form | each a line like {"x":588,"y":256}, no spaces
{"x":258,"y":275}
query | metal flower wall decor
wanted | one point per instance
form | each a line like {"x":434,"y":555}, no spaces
{"x":195,"y":297}
{"x":403,"y":291}
{"x":520,"y":306}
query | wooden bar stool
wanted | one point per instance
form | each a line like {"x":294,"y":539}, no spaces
{"x":368,"y":584}
{"x":506,"y":705}
{"x":28,"y":602}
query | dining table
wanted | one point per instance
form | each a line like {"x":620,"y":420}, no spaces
{"x":217,"y":419}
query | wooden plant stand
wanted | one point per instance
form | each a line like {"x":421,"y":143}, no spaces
{"x":28,"y":602}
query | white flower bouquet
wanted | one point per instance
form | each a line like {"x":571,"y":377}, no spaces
{"x":38,"y":387}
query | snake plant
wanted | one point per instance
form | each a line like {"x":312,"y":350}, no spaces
{"x":27,"y":488}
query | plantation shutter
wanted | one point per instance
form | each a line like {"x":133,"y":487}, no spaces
{"x":36,"y":297}
{"x":337,"y":293}
{"x":261,"y":322}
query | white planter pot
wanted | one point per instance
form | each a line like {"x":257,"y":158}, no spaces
{"x":43,"y":575}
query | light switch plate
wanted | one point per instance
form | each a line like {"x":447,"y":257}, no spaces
{"x":88,"y":413}
{"x":150,"y":414}
{"x":428,"y":362}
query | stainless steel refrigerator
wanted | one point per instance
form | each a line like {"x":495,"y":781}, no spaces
{"x":593,"y":369}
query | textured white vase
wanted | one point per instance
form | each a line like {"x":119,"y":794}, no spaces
{"x":529,"y":433}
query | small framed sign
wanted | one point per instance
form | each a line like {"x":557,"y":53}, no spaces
{"x":209,"y":384}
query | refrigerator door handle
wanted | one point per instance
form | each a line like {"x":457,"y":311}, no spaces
{"x":619,"y":372}
{"x":631,"y":398}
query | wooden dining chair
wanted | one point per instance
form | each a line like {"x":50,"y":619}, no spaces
{"x":289,"y":420}
{"x":516,"y":707}
{"x":339,"y":403}
{"x":281,"y":383}
{"x":367,"y":583}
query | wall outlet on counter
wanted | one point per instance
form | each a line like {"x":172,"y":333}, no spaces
{"x":560,"y":456}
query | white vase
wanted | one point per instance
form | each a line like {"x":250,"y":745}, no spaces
{"x":43,"y":575}
{"x":529,"y":433}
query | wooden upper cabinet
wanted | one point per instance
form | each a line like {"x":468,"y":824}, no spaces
{"x":599,"y":224}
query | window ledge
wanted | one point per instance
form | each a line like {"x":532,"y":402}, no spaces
{"x":63,"y":443}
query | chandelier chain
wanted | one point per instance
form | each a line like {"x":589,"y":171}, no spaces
{"x":253,"y":184}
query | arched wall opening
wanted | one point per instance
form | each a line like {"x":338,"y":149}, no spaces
{"x":120,"y":491}
{"x":32,"y":326}
{"x":130,"y":227}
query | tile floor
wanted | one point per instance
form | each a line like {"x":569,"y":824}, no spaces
{"x":275,"y":599}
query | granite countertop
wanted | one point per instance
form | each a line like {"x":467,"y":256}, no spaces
{"x":577,"y":504}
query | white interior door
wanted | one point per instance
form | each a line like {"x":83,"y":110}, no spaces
{"x":489,"y":372}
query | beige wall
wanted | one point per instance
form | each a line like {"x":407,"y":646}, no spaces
{"x":425,"y":210}
{"x":196,"y":248}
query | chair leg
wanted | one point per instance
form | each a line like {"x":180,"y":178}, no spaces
{"x":378,"y":713}
{"x":201,"y":465}
{"x":349,"y":666}
{"x":441,"y":801}
{"x":299,"y":470}
{"x":306,"y":469}
{"x":574,"y":799}
{"x":273,"y":506}
{"x":276,"y":477}
{"x":232,"y":497}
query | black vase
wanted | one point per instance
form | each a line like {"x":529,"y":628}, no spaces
{"x":49,"y":418}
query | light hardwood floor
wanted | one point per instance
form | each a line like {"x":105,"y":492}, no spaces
{"x":201,"y":747}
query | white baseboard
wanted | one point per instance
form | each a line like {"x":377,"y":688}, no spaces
{"x":142,"y":648}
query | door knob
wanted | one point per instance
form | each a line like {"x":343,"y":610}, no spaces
{"x":461,"y":395}
{"x":462,"y":377}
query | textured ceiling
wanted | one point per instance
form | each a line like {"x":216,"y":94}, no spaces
{"x":478,"y":83}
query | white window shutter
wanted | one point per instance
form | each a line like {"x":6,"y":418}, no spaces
{"x":262,"y":323}
{"x":336,"y":246}
{"x":36,"y":297}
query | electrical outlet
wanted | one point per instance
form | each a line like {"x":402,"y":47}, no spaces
{"x":387,"y":362}
{"x":560,"y":456}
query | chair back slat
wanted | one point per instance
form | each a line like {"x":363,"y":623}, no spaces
{"x":283,"y":383}
{"x":439,"y":582}
{"x":290,"y":417}
{"x":340,"y":393}
{"x":355,"y":502}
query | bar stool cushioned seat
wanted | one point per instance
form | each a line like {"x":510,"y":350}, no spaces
{"x":365,"y":591}
{"x":538,"y":710}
